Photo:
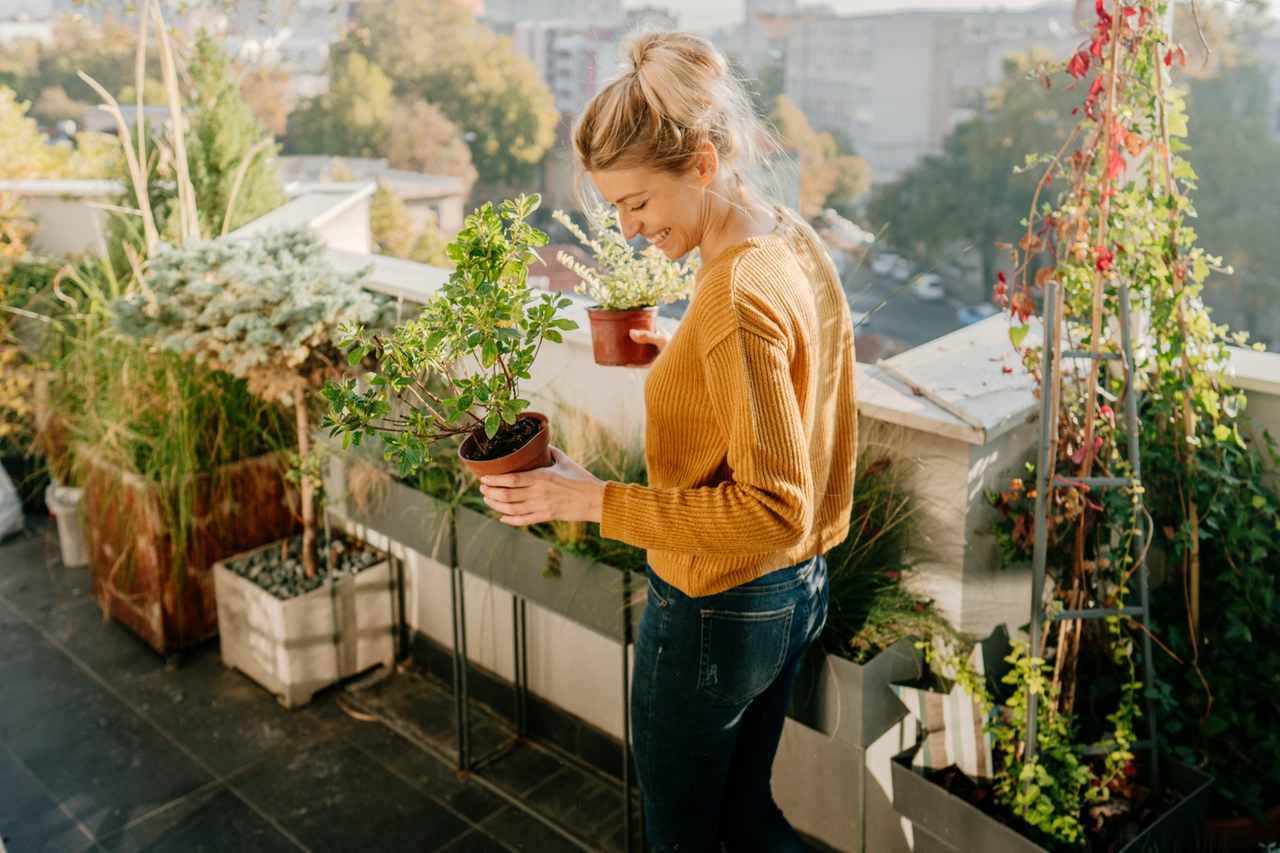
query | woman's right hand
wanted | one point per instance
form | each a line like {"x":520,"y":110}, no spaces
{"x":659,"y":337}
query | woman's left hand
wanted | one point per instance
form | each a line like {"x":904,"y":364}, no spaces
{"x":564,"y":492}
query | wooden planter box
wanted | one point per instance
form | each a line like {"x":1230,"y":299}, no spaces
{"x":131,"y":547}
{"x":298,"y":646}
{"x":852,"y":701}
{"x":945,"y":823}
{"x":588,"y":593}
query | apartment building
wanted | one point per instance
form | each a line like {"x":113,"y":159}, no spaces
{"x":895,"y":85}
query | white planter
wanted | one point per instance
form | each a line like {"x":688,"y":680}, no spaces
{"x":293,"y":648}
{"x":64,"y":503}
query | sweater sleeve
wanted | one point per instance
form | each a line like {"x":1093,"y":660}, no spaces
{"x":767,"y":502}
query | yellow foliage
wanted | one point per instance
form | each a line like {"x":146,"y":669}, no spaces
{"x":826,"y":176}
{"x":394,"y":234}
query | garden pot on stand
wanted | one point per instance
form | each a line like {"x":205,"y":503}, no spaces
{"x":536,"y":453}
{"x":611,"y":336}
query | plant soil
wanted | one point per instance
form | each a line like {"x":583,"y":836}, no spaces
{"x":288,"y":578}
{"x":1108,"y":825}
{"x":508,"y":440}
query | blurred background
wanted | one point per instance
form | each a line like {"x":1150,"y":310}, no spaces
{"x":903,"y":120}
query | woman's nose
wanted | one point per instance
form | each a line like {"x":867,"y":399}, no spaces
{"x":629,"y":224}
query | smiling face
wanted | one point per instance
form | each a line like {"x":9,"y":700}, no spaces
{"x":667,"y":209}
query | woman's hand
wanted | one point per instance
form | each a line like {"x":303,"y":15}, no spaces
{"x":564,"y":492}
{"x":659,"y":337}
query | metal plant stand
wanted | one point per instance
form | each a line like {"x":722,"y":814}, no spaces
{"x":462,"y":708}
{"x":1049,"y":396}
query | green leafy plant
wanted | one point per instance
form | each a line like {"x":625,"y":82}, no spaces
{"x":870,"y":607}
{"x":456,"y":369}
{"x":627,"y":279}
{"x":266,"y":310}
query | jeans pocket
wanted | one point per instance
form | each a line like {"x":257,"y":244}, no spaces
{"x":743,"y":652}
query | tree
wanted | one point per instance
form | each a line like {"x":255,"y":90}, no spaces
{"x":421,"y":139}
{"x":974,"y":189}
{"x":350,"y":119}
{"x":265,"y":89}
{"x":267,"y":311}
{"x":394,"y":235}
{"x":827,"y":176}
{"x":223,"y":134}
{"x":434,"y":49}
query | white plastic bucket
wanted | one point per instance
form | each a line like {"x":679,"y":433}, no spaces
{"x":64,"y":503}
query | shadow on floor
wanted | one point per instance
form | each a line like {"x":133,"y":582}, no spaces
{"x":105,"y":747}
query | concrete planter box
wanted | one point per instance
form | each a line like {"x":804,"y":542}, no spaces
{"x":387,"y":506}
{"x":852,"y":701}
{"x":945,"y":823}
{"x":591,"y":594}
{"x":301,"y":645}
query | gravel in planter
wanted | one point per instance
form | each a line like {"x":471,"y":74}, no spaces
{"x":288,"y":579}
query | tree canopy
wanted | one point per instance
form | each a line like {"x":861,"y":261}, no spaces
{"x":350,"y":119}
{"x":828,"y":177}
{"x":435,"y":50}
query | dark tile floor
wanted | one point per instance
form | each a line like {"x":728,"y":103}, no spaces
{"x":105,"y":747}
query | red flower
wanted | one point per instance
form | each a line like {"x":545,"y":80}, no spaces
{"x":1116,"y":166}
{"x":1168,"y":59}
{"x":1006,"y":369}
{"x":1129,"y":11}
{"x":1104,"y":258}
{"x":1000,"y":277}
{"x":1078,"y":66}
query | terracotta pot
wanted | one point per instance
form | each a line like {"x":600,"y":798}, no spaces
{"x":611,"y":340}
{"x":536,"y":453}
{"x":1242,"y":833}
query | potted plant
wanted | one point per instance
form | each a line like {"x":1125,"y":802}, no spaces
{"x":455,"y":370}
{"x":628,"y":287}
{"x":874,"y":623}
{"x":267,"y":310}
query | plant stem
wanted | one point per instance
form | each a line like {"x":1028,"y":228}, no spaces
{"x":306,"y":486}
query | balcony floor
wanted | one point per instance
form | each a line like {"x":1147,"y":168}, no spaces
{"x":105,"y":746}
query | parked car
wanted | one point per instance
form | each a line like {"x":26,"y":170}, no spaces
{"x":902,"y":269}
{"x":883,"y":263}
{"x":971,"y":315}
{"x":928,"y":288}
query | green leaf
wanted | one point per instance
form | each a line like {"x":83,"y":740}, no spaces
{"x":1259,"y":501}
{"x":1222,"y":432}
{"x":492,"y":421}
{"x":1017,"y":334}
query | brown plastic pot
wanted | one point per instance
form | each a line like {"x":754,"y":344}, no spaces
{"x":536,"y":453}
{"x":1242,"y":833}
{"x":611,"y":339}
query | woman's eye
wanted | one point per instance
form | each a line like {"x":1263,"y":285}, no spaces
{"x":639,"y":207}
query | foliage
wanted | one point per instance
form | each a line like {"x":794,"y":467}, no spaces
{"x":627,"y":279}
{"x":434,"y":49}
{"x":487,"y":319}
{"x":266,"y":310}
{"x":393,"y":232}
{"x":25,"y":152}
{"x":1120,"y":220}
{"x":222,"y":134}
{"x":828,"y":177}
{"x":351,"y":117}
{"x":870,"y":607}
{"x":103,"y":49}
{"x":421,"y":139}
{"x":265,"y":89}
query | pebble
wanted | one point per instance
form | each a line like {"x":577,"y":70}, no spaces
{"x":288,"y":579}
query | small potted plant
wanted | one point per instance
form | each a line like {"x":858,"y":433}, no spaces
{"x":628,"y":288}
{"x":456,"y":369}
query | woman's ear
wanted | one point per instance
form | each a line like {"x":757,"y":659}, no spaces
{"x":708,"y":164}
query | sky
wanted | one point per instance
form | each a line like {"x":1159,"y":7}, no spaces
{"x":710,"y":14}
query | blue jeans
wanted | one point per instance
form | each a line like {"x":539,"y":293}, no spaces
{"x":712,"y":681}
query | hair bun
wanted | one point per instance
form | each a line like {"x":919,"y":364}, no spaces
{"x":637,"y":48}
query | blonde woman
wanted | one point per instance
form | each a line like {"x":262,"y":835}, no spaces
{"x":750,"y":442}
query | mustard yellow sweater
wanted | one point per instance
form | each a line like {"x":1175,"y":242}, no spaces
{"x":752,"y":431}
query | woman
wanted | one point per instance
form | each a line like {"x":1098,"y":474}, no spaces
{"x":750,"y":443}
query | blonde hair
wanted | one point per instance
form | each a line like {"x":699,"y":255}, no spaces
{"x":674,"y":94}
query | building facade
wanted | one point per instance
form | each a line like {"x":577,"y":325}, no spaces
{"x":896,"y":85}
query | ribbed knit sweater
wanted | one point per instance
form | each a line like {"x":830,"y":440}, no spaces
{"x":751,"y":427}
